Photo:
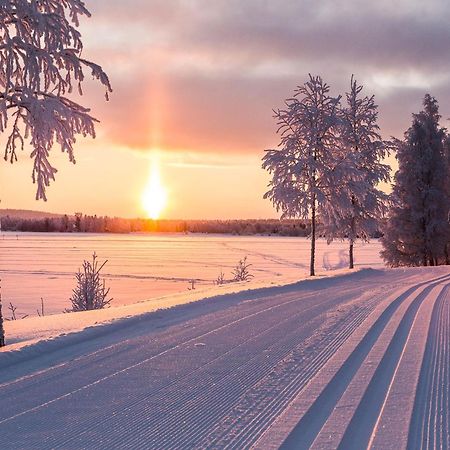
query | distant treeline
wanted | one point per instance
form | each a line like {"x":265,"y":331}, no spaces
{"x":102,"y":224}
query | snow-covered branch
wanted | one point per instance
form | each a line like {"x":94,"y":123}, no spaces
{"x":40,"y":65}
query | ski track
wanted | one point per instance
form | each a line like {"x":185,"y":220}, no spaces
{"x":430,"y":421}
{"x":358,"y":364}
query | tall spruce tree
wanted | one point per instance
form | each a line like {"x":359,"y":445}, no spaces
{"x":302,"y":169}
{"x":416,"y":232}
{"x":447,"y":193}
{"x":361,"y":203}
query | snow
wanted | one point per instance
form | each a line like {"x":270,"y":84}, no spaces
{"x":293,"y":362}
{"x":30,"y":330}
{"x":248,"y":369}
{"x":144,"y":266}
{"x":146,"y":273}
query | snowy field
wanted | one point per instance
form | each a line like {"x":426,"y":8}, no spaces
{"x":351,"y":361}
{"x":347,"y":360}
{"x":143,"y":266}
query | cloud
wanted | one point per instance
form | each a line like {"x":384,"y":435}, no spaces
{"x":407,"y":32}
{"x":337,"y":31}
{"x":204,"y":76}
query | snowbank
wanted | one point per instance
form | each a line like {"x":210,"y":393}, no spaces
{"x":33,"y":336}
{"x":61,"y":329}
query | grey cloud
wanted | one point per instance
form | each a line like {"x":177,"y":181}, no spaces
{"x":390,"y":33}
{"x":228,"y":63}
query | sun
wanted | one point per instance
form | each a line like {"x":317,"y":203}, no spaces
{"x":154,"y":198}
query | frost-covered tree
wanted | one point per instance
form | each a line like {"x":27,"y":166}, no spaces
{"x":241,"y":272}
{"x":307,"y":166}
{"x":417,"y":229}
{"x":90,"y":292}
{"x":447,"y":191}
{"x":363,"y":150}
{"x":40,"y":66}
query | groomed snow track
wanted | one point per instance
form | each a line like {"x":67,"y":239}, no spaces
{"x":359,"y":361}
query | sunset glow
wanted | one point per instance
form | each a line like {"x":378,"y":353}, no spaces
{"x":200,"y":85}
{"x":244,"y":208}
{"x":154,"y":198}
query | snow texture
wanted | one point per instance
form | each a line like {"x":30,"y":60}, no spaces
{"x":323,"y":363}
{"x":147,"y":266}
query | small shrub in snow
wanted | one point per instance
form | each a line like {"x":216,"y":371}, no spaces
{"x":13,"y":309}
{"x":241,"y":272}
{"x":90,"y":292}
{"x":220,"y":278}
{"x":40,"y":312}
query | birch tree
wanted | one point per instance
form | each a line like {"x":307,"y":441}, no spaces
{"x":41,"y":64}
{"x":302,"y":167}
{"x":363,"y":151}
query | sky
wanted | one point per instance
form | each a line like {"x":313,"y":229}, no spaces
{"x":195,"y":83}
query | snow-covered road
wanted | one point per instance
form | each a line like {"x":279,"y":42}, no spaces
{"x":348,"y":362}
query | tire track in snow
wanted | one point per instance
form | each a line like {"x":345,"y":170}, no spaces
{"x":195,"y":328}
{"x":244,"y":408}
{"x":107,"y":275}
{"x":395,"y":415}
{"x":142,"y":362}
{"x":176,"y":430}
{"x":265,"y":256}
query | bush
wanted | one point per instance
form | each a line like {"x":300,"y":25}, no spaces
{"x":220,"y":279}
{"x":90,"y":292}
{"x":241,"y":272}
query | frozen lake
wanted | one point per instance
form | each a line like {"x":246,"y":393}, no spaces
{"x":144,"y":266}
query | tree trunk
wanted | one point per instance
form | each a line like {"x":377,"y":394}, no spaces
{"x":313,"y":239}
{"x":425,"y":259}
{"x":352,"y":237}
{"x":350,"y":254}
